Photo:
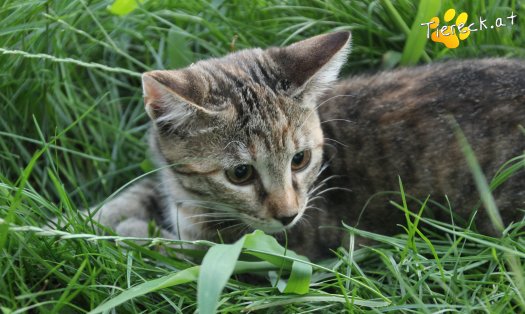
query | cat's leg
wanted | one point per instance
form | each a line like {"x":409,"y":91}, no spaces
{"x":129,"y":213}
{"x":137,"y":201}
{"x":140,"y":228}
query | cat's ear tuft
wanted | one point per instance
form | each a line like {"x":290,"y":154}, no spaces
{"x":170,"y":96}
{"x":314,"y":63}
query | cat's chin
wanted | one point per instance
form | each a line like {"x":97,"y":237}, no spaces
{"x":272,"y":227}
{"x":269,"y":228}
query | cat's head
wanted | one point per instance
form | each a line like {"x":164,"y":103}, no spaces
{"x":243,"y":131}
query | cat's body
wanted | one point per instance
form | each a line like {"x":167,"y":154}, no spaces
{"x":398,"y":124}
{"x":245,"y":141}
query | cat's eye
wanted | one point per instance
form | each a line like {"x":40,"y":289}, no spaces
{"x":301,"y":160}
{"x":241,"y":174}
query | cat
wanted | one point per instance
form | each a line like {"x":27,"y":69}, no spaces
{"x":268,"y":139}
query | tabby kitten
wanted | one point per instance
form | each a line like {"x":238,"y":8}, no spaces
{"x":240,"y":142}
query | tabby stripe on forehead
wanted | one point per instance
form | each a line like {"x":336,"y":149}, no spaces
{"x":255,"y":76}
{"x":266,"y":76}
{"x":249,"y":97}
{"x":262,"y":135}
{"x":224,"y":90}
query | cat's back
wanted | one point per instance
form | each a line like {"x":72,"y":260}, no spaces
{"x":398,"y":123}
{"x":454,"y":86}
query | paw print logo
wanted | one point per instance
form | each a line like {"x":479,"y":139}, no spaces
{"x":451,"y":35}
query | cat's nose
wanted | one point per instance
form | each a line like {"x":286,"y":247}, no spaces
{"x":286,"y":220}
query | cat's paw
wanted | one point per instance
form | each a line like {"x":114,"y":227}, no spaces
{"x":452,"y":34}
{"x":132,"y":227}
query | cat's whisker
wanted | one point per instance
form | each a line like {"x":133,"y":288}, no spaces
{"x":215,"y":214}
{"x":313,"y":197}
{"x":316,"y":108}
{"x":319,"y":185}
{"x":324,"y":166}
{"x":212,"y":215}
{"x":233,"y":226}
{"x":316,"y":188}
{"x":335,"y":141}
{"x":330,"y":151}
{"x":215,"y":206}
{"x":244,"y":229}
{"x":332,"y":120}
{"x":212,"y":209}
{"x":334,"y":189}
{"x":314,"y":191}
{"x":304,"y":221}
{"x":316,"y":208}
{"x":331,"y":178}
{"x":317,"y":198}
{"x":218,"y":221}
{"x":322,"y":183}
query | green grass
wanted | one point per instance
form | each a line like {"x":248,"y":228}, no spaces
{"x":72,"y":130}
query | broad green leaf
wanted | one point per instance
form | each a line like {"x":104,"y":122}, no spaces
{"x":217,"y":267}
{"x":417,"y":37}
{"x":261,"y":242}
{"x":299,"y":281}
{"x":181,"y":277}
{"x":123,"y":7}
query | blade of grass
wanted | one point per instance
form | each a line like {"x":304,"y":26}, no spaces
{"x":416,"y":40}
{"x":68,"y":60}
{"x":479,"y":179}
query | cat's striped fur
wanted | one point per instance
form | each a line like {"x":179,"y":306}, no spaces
{"x":258,"y":113}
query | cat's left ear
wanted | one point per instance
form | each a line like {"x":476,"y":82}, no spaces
{"x":173,"y":100}
{"x":313,"y":64}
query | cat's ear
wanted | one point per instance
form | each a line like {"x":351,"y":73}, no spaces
{"x":172,"y":97}
{"x":312,"y":64}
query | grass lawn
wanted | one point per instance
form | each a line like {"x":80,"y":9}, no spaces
{"x":72,"y":132}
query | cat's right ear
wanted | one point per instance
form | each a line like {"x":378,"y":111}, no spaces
{"x":311,"y":65}
{"x":171,"y":97}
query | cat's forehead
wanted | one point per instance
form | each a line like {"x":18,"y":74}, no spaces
{"x":249,"y":76}
{"x":250,"y":86}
